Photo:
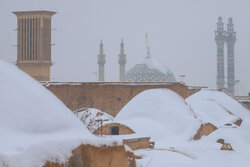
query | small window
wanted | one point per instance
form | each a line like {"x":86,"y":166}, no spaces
{"x":115,"y":130}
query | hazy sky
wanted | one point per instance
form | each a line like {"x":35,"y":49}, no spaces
{"x":181,"y":36}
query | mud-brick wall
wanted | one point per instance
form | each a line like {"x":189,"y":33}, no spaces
{"x":92,"y":156}
{"x":246,"y":104}
{"x":108,"y":97}
{"x":106,"y":129}
{"x":138,"y":143}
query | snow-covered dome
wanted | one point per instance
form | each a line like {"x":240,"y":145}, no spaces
{"x":34,"y":125}
{"x":150,"y":71}
{"x":160,"y":114}
{"x":217,"y":107}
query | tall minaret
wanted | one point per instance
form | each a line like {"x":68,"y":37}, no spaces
{"x":230,"y":40}
{"x":122,"y":62}
{"x":220,"y":36}
{"x":101,"y":62}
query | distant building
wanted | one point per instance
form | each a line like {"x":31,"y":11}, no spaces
{"x":122,"y":62}
{"x":34,"y":43}
{"x":228,"y":37}
{"x":150,"y":71}
{"x":101,"y":59}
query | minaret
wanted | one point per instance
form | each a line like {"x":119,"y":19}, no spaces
{"x":230,"y":40}
{"x":220,"y":41}
{"x":101,"y":62}
{"x":34,"y":43}
{"x":122,"y":62}
{"x":147,"y":47}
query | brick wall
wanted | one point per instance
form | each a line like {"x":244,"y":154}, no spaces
{"x":92,"y":156}
{"x":138,"y":143}
{"x":108,"y":97}
{"x":246,"y":104}
{"x":205,"y":130}
{"x":106,"y":129}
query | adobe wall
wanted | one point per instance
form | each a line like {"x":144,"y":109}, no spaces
{"x":106,"y":129}
{"x":138,"y":143}
{"x":92,"y":156}
{"x":246,"y":104}
{"x":39,"y":71}
{"x":205,"y":130}
{"x":109,"y":97}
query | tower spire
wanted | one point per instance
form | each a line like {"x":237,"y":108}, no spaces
{"x":101,"y":59}
{"x":230,"y":40}
{"x":122,"y":62}
{"x":220,"y":36}
{"x":101,"y":47}
{"x":147,"y":47}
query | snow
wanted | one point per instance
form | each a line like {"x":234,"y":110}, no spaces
{"x":171,"y":122}
{"x":219,"y":108}
{"x":47,"y":84}
{"x":34,"y":125}
{"x":161,"y":158}
{"x":216,"y":107}
{"x":160,"y":113}
{"x":153,"y":64}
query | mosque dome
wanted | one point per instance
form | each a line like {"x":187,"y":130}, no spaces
{"x":150,"y":71}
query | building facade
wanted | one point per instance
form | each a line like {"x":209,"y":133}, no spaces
{"x":109,"y":97}
{"x":230,"y":40}
{"x":228,"y":37}
{"x":34,"y":43}
{"x":220,"y":42}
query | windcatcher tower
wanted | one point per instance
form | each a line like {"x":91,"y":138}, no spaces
{"x":34,"y":43}
{"x":122,"y":62}
{"x":230,"y":40}
{"x":220,"y":36}
{"x":101,"y":61}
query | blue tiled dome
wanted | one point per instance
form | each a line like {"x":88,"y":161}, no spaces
{"x":150,"y":71}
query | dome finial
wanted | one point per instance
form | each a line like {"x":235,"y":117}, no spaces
{"x":148,"y":53}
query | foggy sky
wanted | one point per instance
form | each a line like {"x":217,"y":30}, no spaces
{"x":180,"y":32}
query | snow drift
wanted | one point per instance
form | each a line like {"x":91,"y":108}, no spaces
{"x":217,"y":107}
{"x":34,"y":124}
{"x":221,"y":109}
{"x":170,"y":122}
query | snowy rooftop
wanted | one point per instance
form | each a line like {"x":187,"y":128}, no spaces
{"x":160,"y":113}
{"x":34,"y":125}
{"x":217,"y":105}
{"x":171,"y":121}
